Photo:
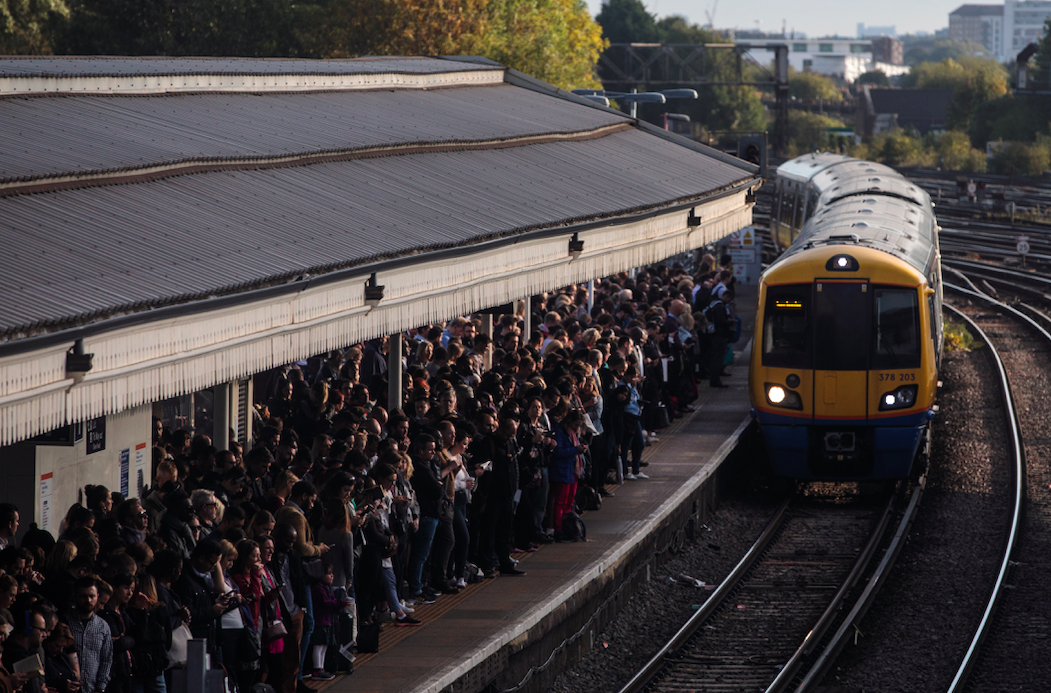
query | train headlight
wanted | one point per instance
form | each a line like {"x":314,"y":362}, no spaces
{"x":901,"y":398}
{"x":779,"y":396}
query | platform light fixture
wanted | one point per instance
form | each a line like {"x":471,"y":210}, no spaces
{"x":576,"y":247}
{"x":373,"y":292}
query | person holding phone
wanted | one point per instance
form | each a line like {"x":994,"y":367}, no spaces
{"x":565,"y":466}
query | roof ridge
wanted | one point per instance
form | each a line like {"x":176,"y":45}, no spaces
{"x":148,"y":172}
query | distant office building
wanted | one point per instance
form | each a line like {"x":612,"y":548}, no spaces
{"x":887,"y":49}
{"x":871,"y":31}
{"x":983,"y":24}
{"x":844,"y":58}
{"x":1023,"y":24}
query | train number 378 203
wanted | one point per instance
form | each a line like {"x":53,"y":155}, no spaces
{"x":897,"y":377}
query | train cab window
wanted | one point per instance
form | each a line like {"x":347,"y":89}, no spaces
{"x":786,"y":327}
{"x":895,"y":328}
{"x":841,"y":326}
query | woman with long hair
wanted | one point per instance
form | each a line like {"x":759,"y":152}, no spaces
{"x":150,"y":625}
{"x":565,"y":467}
{"x":269,"y":612}
{"x":261,"y":523}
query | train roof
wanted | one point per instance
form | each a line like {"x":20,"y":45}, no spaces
{"x":804,"y":168}
{"x":890,"y":224}
{"x":857,"y":177}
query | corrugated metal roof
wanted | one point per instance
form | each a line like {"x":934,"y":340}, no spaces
{"x":83,"y":134}
{"x":33,"y":66}
{"x":75,"y":254}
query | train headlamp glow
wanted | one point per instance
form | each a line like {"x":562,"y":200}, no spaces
{"x":779,"y":396}
{"x":842,"y":263}
{"x":901,"y":398}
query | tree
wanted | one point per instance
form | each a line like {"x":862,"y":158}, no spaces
{"x":250,"y":28}
{"x":1041,"y":70}
{"x":928,"y":49}
{"x":627,"y":21}
{"x":553,"y":40}
{"x":808,"y":132}
{"x":25,"y":24}
{"x":952,"y":151}
{"x":896,"y":148}
{"x":974,"y":81}
{"x":810,"y":86}
{"x":876,"y":78}
{"x":1022,"y":159}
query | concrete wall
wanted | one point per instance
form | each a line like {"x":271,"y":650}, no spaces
{"x":45,"y":480}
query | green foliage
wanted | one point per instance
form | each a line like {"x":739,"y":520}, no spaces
{"x":810,"y":86}
{"x":1041,"y":62}
{"x":627,"y":21}
{"x":952,"y":151}
{"x":876,"y":77}
{"x":959,"y":338}
{"x":252,"y":28}
{"x":1022,"y":158}
{"x":973,"y":81}
{"x":898,"y":148}
{"x":1013,"y":117}
{"x":808,"y":132}
{"x":677,"y":29}
{"x":928,"y":49}
{"x":553,"y":40}
{"x":25,"y":25}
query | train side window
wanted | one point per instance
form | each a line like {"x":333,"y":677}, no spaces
{"x":786,"y":327}
{"x":896,"y":328}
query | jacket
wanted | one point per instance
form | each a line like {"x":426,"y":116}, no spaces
{"x":563,"y":465}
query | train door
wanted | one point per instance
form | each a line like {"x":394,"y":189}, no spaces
{"x":841,"y":350}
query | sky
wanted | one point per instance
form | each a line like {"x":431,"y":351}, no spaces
{"x":814,"y":17}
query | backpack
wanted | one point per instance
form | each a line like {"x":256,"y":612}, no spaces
{"x":573,"y":528}
{"x":709,"y":315}
{"x":588,"y":498}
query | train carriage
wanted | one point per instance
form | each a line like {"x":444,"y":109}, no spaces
{"x":843,"y":372}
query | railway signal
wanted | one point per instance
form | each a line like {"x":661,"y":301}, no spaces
{"x":1023,"y":247}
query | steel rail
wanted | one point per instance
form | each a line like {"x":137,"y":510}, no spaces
{"x":868,"y":596}
{"x":732,"y":581}
{"x":971,"y":656}
{"x":784,"y":677}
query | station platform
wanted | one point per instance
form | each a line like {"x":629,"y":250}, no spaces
{"x":517,"y":633}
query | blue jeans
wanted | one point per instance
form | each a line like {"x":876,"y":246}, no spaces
{"x":421,"y":549}
{"x":308,"y":630}
{"x":148,"y":685}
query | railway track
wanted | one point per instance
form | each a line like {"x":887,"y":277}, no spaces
{"x":781,"y":616}
{"x":1008,"y":648}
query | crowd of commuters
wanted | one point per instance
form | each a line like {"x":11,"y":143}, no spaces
{"x":341,"y":515}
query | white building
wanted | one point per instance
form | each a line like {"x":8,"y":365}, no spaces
{"x":845,"y":58}
{"x":982,"y":24}
{"x":1023,"y":24}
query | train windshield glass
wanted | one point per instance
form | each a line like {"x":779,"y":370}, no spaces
{"x":841,"y":326}
{"x":786,"y":332}
{"x":896,"y":328}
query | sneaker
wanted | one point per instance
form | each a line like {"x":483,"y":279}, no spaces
{"x":644,"y":463}
{"x":629,"y":476}
{"x":461,"y":583}
{"x":425,"y":599}
{"x":303,"y":688}
{"x":407,"y":620}
{"x":406,"y":608}
{"x":413,"y":601}
{"x":383,"y":617}
{"x":322,"y":675}
{"x":640,"y":475}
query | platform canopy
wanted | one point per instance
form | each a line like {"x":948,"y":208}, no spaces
{"x":194,"y":221}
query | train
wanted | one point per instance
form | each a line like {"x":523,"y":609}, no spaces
{"x":848,"y":329}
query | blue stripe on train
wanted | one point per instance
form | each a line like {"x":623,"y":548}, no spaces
{"x":893,"y":447}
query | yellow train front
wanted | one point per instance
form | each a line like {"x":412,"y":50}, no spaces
{"x":844,"y":366}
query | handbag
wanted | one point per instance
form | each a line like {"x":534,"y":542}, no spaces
{"x":368,"y":637}
{"x":728,"y":356}
{"x":274,"y":631}
{"x":177,"y":652}
{"x":249,"y":647}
